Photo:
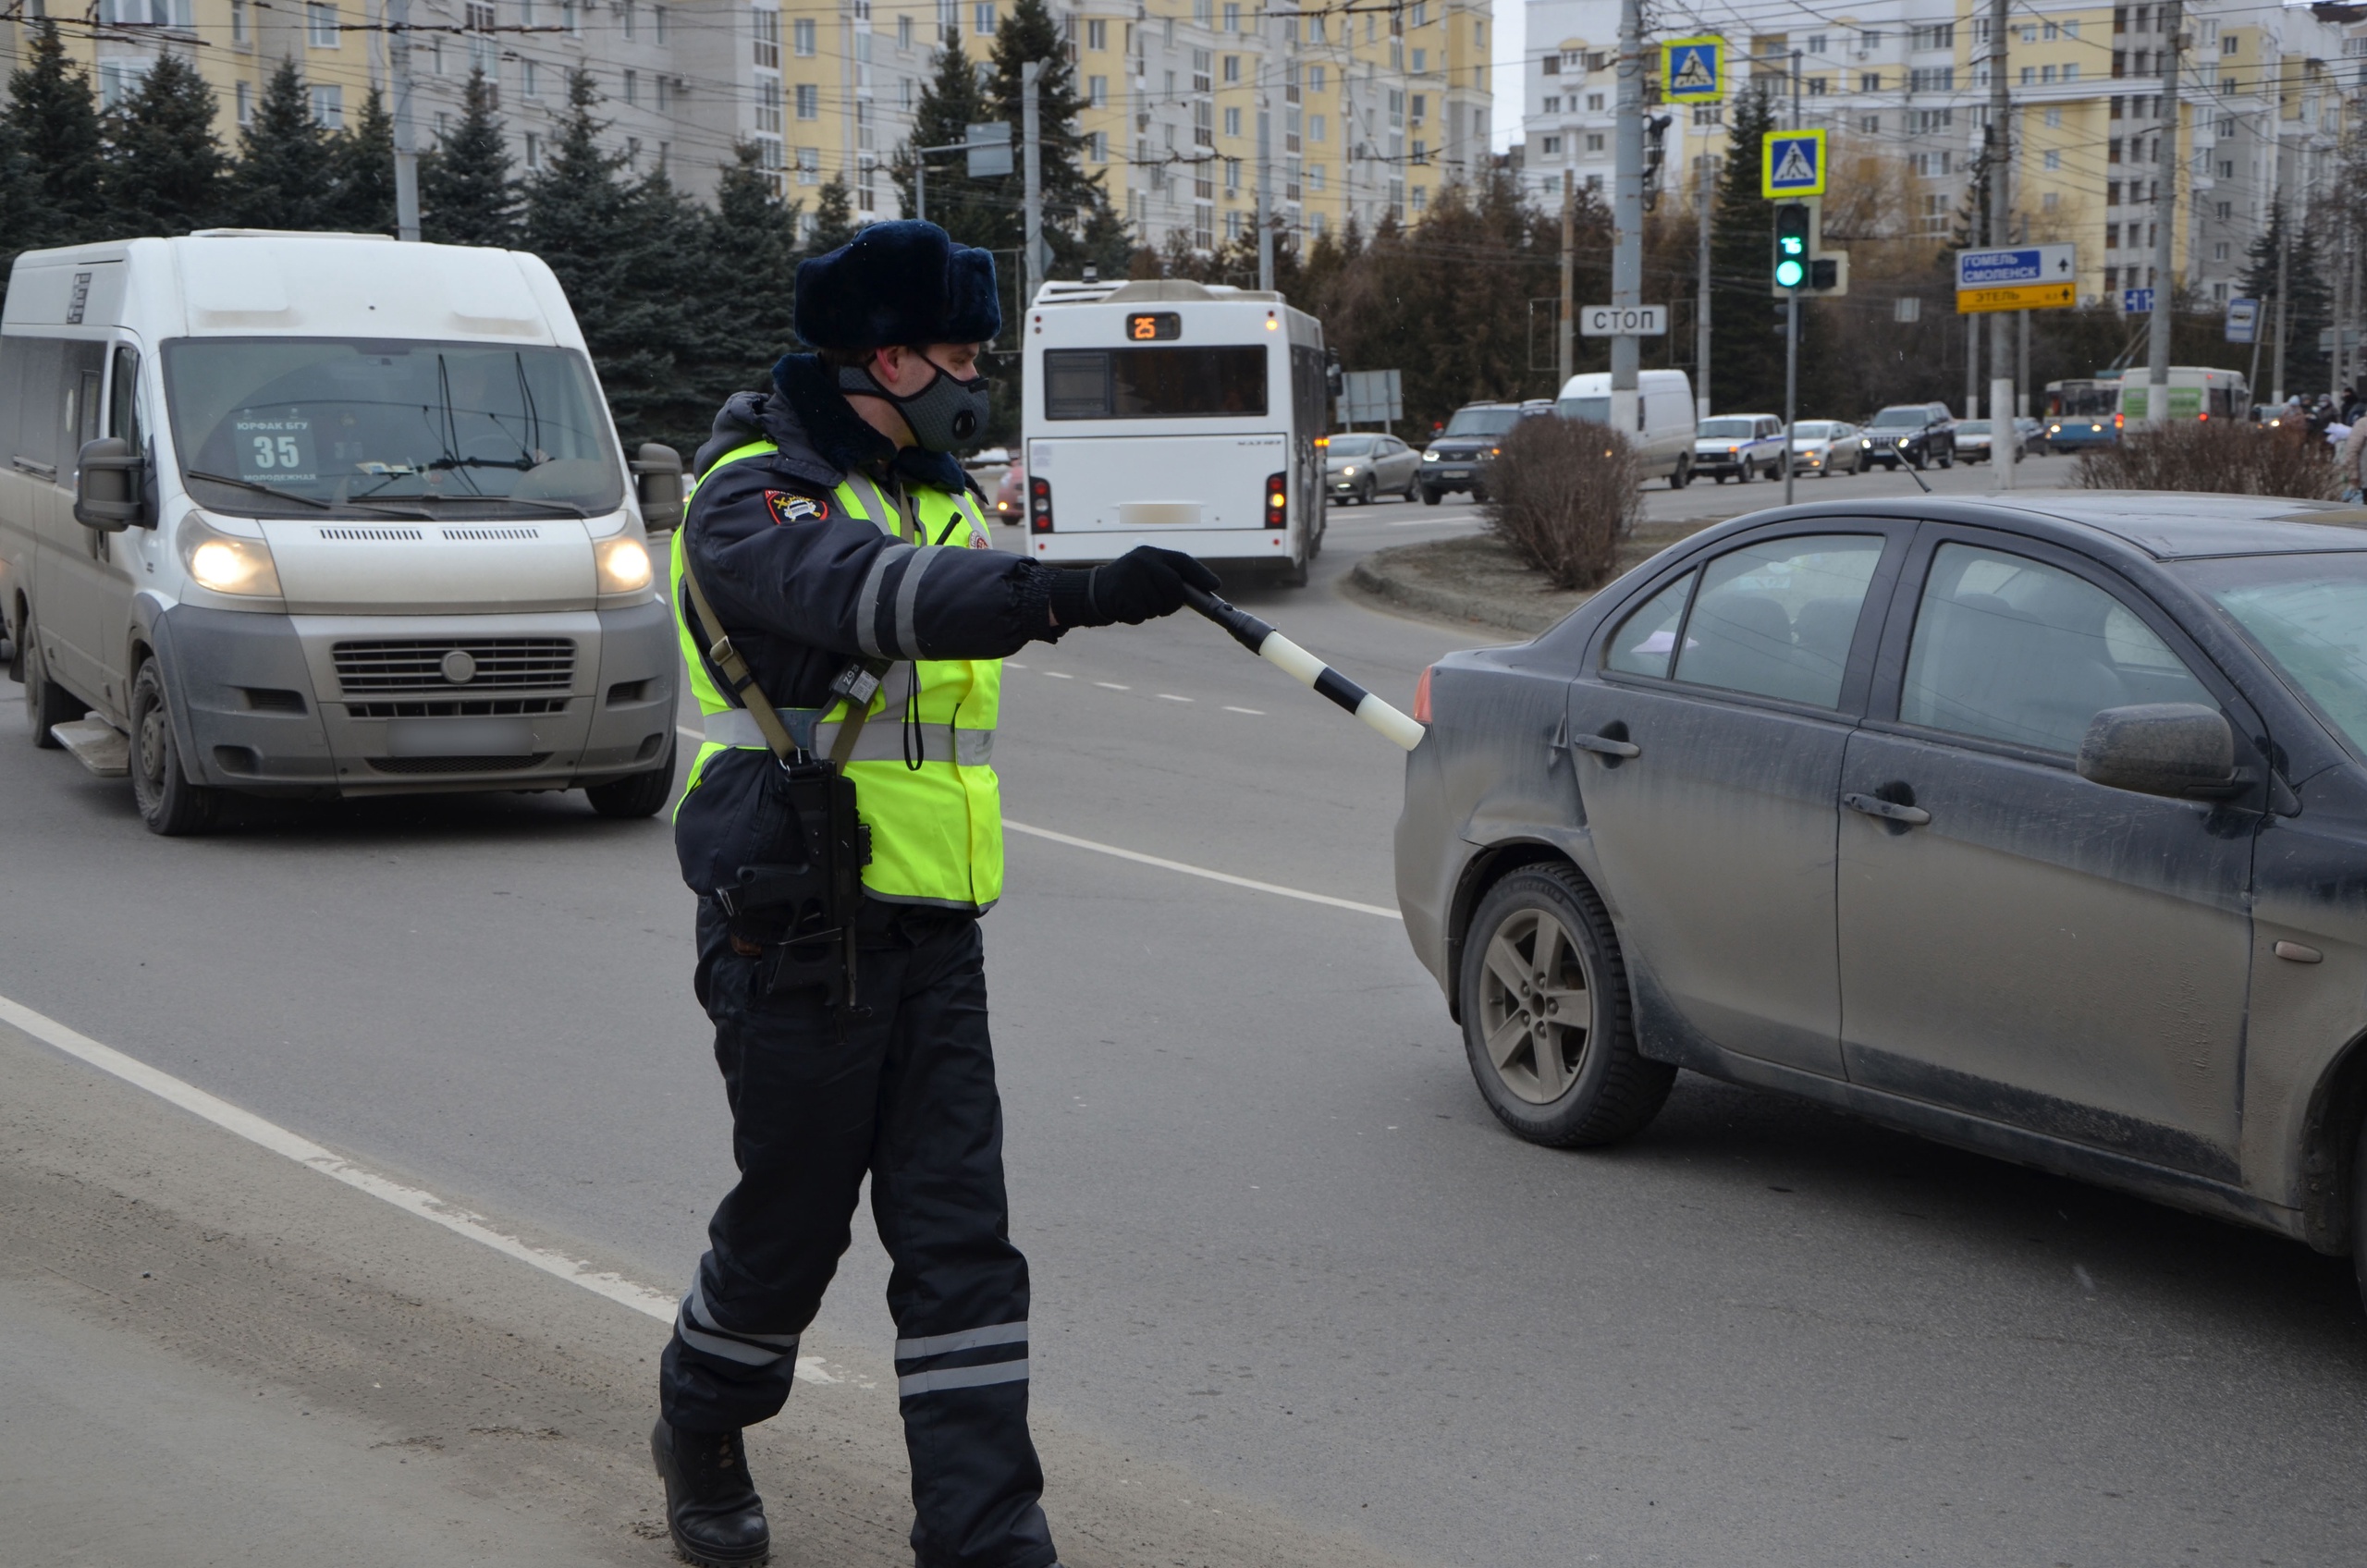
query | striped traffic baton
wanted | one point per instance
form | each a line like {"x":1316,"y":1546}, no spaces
{"x":1276,"y":649}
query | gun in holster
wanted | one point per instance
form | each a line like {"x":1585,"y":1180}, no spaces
{"x":800,"y":898}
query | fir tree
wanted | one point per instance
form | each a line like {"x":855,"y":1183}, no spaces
{"x":1071,"y":197}
{"x":618,"y":250}
{"x":950,"y":104}
{"x":834,"y":222}
{"x":165,"y":166}
{"x":752,"y":236}
{"x":286,"y":173}
{"x":2308,"y":300}
{"x":1747,"y":354}
{"x":55,"y":124}
{"x":466,"y":194}
{"x":366,"y":170}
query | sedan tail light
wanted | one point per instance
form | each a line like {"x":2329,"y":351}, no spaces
{"x":1039,"y":506}
{"x":1278,"y":495}
{"x":1422,"y":696}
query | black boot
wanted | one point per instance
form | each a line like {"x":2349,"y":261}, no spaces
{"x":711,"y":1505}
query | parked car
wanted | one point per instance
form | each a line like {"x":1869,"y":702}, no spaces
{"x":1826,"y":447}
{"x":1458,"y":457}
{"x":2072,"y":432}
{"x":2034,"y":436}
{"x":1360,"y":464}
{"x":1922,"y":434}
{"x":1737,"y":445}
{"x":1972,"y":440}
{"x":1011,"y":493}
{"x":1665,"y":430}
{"x":2061,"y":805}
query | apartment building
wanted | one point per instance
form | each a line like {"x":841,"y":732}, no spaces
{"x":1366,"y":114}
{"x":1904,"y":93}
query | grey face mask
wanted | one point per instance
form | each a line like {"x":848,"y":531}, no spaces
{"x":945,"y":416}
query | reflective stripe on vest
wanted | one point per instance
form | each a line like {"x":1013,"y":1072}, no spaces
{"x":937,"y":828}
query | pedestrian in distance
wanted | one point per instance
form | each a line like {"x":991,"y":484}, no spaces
{"x":843,"y":618}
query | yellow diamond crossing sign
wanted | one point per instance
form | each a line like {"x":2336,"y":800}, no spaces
{"x":1791,"y":163}
{"x":1693,"y":70}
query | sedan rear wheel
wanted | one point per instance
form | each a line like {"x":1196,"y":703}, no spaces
{"x":1546,"y":1020}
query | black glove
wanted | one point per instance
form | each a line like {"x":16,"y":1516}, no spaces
{"x":1143,"y":584}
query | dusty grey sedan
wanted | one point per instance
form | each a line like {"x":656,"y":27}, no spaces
{"x":2040,"y":829}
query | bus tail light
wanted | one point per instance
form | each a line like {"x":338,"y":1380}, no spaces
{"x":2118,"y":420}
{"x":1422,"y":695}
{"x":1278,"y":500}
{"x":1039,"y":506}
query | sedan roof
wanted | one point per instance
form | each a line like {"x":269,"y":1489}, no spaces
{"x":2175,"y":526}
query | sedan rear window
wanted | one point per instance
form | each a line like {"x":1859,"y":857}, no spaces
{"x":1647,"y":639}
{"x":1776,"y":619}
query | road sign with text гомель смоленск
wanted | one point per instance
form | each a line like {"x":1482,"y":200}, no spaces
{"x":2031,"y":277}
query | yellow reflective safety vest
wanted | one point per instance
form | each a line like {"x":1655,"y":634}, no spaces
{"x":922,"y":767}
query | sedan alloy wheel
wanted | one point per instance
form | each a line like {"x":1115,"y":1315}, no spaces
{"x":1537,"y":1007}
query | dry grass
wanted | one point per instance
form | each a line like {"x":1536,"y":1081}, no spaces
{"x":2224,"y":457}
{"x":1561,"y":494}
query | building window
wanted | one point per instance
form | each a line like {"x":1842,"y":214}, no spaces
{"x":1097,"y":147}
{"x":1232,"y":68}
{"x":1594,"y":102}
{"x":246,"y":102}
{"x":2046,"y":202}
{"x":809,"y":101}
{"x":328,"y":107}
{"x":632,"y":88}
{"x":1097,"y":33}
{"x":1421,"y":197}
{"x":1231,"y":17}
{"x":2053,"y":118}
{"x":809,"y":166}
{"x":1937,"y":79}
{"x":2053,"y":158}
{"x":1421,"y":13}
{"x":1421,"y":61}
{"x":1315,"y":177}
{"x":1870,"y":81}
{"x":1203,"y":63}
{"x":320,"y":26}
{"x":239,"y":22}
{"x":1594,"y":141}
{"x":625,"y":17}
{"x":767,"y":104}
{"x":529,"y":79}
{"x":1232,"y":122}
{"x":1552,"y":146}
{"x":658,"y":15}
{"x":982,"y":19}
{"x":533,"y":150}
{"x":802,"y":32}
{"x":1942,"y":36}
{"x":1870,"y":124}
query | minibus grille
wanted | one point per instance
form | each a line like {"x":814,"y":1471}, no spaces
{"x":447,"y":707}
{"x":418,"y":664}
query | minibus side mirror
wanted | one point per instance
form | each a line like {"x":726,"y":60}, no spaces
{"x":110,"y":485}
{"x":658,"y":479}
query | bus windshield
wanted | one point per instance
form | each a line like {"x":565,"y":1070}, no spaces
{"x":2082,"y":399}
{"x":303,"y":427}
{"x":1155,"y":382}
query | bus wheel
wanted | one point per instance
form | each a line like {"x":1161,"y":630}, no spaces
{"x":46,"y":703}
{"x":169,"y":803}
{"x":1293,"y":575}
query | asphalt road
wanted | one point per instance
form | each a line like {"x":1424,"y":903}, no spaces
{"x":1297,"y":1298}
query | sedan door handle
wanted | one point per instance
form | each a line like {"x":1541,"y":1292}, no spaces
{"x":1603,"y":745}
{"x":1891,"y":811}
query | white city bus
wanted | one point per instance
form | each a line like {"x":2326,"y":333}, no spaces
{"x":1173,"y":413}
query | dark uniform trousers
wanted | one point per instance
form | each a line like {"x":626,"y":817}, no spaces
{"x":907,"y":1096}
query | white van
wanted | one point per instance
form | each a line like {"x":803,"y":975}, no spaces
{"x":322,"y":515}
{"x":2195,"y":393}
{"x":1663,"y":418}
{"x":1175,"y":414}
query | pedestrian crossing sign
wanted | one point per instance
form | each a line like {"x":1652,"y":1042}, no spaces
{"x":1791,"y":163}
{"x":1693,"y":70}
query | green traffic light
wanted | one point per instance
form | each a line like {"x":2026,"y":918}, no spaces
{"x":1790,"y":272}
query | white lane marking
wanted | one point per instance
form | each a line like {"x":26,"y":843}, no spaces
{"x":1171,"y":697}
{"x":698,"y":735}
{"x":1056,"y":674}
{"x":1188,"y":869}
{"x":1254,"y":713}
{"x":1013,"y":664}
{"x":644,"y":1299}
{"x":1112,"y":686}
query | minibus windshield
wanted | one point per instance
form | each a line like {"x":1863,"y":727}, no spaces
{"x":296,"y":426}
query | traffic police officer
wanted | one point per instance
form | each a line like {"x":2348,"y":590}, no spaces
{"x":842,"y":550}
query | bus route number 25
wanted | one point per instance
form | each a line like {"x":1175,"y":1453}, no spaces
{"x":1154,"y":327}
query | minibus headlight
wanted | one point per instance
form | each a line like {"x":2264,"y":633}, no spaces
{"x":624,"y":564}
{"x":226,"y":563}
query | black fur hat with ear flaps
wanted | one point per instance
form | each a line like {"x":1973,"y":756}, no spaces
{"x":905,"y":284}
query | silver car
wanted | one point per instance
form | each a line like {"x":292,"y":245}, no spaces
{"x":1825,"y":447}
{"x":2039,"y":829}
{"x":1360,"y":465}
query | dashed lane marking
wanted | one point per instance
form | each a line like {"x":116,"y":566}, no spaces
{"x":1171,"y":697}
{"x":1112,"y":686}
{"x":1190,"y":870}
{"x":644,"y":1299}
{"x":1254,"y":713}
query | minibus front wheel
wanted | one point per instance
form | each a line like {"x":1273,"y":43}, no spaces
{"x":169,"y":802}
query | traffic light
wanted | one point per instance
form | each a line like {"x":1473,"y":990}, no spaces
{"x":1794,"y":236}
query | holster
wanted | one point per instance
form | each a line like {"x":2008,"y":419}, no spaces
{"x":799,"y":900}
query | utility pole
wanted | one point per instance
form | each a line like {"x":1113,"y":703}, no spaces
{"x":2165,"y":214}
{"x":2004,"y":441}
{"x":405,"y":145}
{"x":1566,"y":349}
{"x":1701,"y":303}
{"x":1791,"y":326}
{"x":1627,"y":215}
{"x":2284,"y":253}
{"x":1265,"y":181}
{"x":1031,"y":184}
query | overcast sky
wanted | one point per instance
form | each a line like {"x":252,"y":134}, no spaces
{"x":1511,"y":31}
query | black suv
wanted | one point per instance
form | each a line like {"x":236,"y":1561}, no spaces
{"x":1922,"y":434}
{"x":1458,"y":457}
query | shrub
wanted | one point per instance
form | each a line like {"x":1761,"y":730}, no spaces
{"x":1562,"y":493}
{"x":2222,"y":456}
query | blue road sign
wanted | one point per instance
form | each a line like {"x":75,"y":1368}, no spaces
{"x":2243,"y":320}
{"x":1692,"y":71}
{"x":2029,"y":263}
{"x":2136,"y":302}
{"x":1791,"y":163}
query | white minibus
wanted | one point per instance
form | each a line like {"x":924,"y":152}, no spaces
{"x":324,"y":515}
{"x":1173,"y":413}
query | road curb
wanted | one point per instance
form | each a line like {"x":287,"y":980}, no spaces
{"x":1383,"y":575}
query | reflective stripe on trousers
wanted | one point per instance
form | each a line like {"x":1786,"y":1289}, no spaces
{"x":1002,"y":1365}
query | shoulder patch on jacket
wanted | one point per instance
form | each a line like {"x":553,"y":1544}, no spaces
{"x":787,"y":508}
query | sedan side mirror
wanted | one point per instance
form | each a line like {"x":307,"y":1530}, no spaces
{"x":110,"y":485}
{"x":657,"y":481}
{"x":2181,"y":749}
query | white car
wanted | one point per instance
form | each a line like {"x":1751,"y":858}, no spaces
{"x":1825,"y":446}
{"x":1737,"y":445}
